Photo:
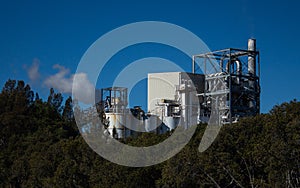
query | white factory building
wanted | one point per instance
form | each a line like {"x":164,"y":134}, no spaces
{"x":223,"y":96}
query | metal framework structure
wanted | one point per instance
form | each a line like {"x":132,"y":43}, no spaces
{"x":232,"y":86}
{"x":114,"y":99}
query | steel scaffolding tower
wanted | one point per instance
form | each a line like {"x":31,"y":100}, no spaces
{"x":232,"y":86}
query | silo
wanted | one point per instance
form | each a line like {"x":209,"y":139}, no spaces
{"x":116,"y":121}
{"x":112,"y":121}
{"x":128,"y":125}
{"x":171,"y":121}
{"x":120,"y":121}
{"x":151,"y":123}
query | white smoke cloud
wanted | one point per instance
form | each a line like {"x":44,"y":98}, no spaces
{"x":33,"y":70}
{"x":62,"y":81}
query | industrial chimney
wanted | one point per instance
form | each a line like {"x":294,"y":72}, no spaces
{"x":251,"y":57}
{"x":252,"y":70}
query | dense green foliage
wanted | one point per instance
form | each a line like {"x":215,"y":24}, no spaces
{"x":40,"y":147}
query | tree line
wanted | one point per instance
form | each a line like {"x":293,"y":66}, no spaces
{"x":40,"y":146}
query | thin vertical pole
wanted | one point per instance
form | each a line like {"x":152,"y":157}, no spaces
{"x":193,"y":65}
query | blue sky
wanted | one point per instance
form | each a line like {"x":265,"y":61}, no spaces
{"x":49,"y":38}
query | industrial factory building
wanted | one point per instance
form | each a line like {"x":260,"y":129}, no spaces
{"x":225,"y":89}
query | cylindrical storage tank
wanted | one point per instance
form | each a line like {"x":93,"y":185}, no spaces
{"x":112,"y":119}
{"x":128,"y":120}
{"x":120,"y":133}
{"x":252,"y":67}
{"x":135,"y":124}
{"x":127,"y":125}
{"x":128,"y":132}
{"x":171,"y":121}
{"x":120,"y":120}
{"x":151,"y":123}
{"x":115,"y":120}
{"x":251,"y":57}
{"x":142,"y":125}
{"x":111,"y":132}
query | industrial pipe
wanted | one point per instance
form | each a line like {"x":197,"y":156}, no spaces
{"x":238,"y":66}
